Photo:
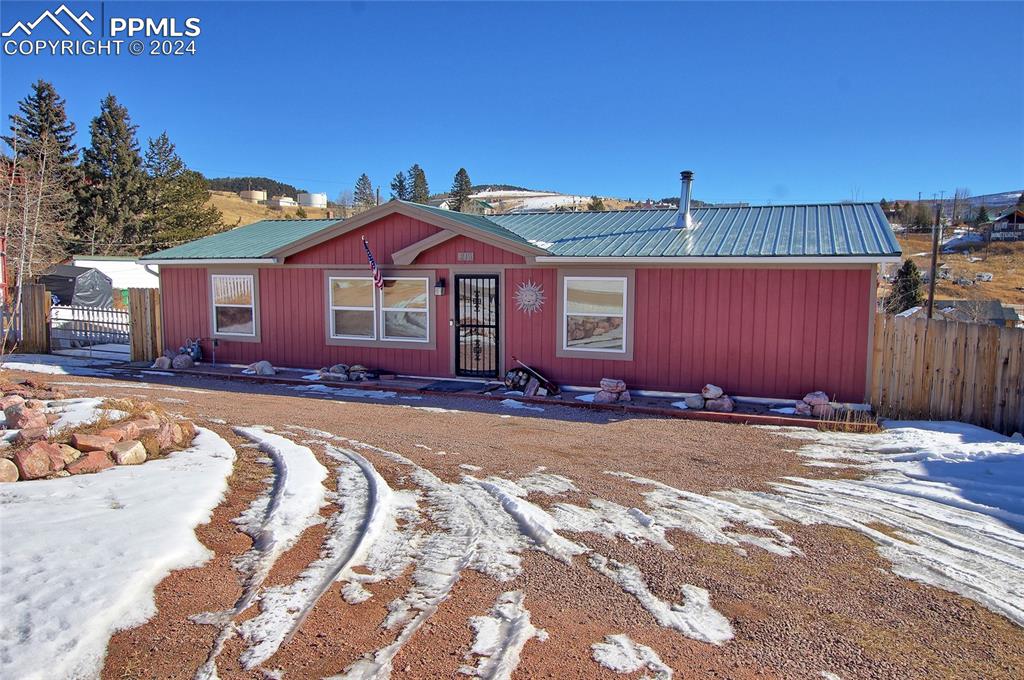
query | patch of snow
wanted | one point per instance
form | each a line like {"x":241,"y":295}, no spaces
{"x":166,"y":374}
{"x":680,"y":405}
{"x":500,"y":638}
{"x":52,"y":364}
{"x":695,"y":618}
{"x":471,"y":468}
{"x":312,"y":376}
{"x":588,"y":397}
{"x":172,"y":400}
{"x":512,"y":403}
{"x":785,"y":410}
{"x":619,"y":654}
{"x":140,"y":521}
{"x":545,"y":482}
{"x":78,"y":412}
{"x":953,"y":494}
{"x":611,"y":520}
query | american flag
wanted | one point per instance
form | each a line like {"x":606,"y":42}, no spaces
{"x":378,"y":280}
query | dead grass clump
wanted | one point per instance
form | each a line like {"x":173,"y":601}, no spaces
{"x":848,"y":420}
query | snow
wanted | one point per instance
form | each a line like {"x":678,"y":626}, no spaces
{"x":78,"y":412}
{"x":785,"y":410}
{"x":587,"y":398}
{"x":123,"y":530}
{"x":695,"y":618}
{"x":500,"y":638}
{"x":962,"y":240}
{"x":680,"y":405}
{"x":54,"y":365}
{"x":953,"y":494}
{"x":345,"y":391}
{"x":163,"y":374}
{"x":611,"y":521}
{"x":620,"y":654}
{"x":512,"y":403}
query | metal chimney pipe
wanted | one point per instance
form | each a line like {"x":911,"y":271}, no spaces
{"x":683,"y":219}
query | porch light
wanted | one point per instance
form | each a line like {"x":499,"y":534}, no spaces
{"x":439,"y":287}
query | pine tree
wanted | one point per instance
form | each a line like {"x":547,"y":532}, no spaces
{"x":461,"y":189}
{"x":176,"y":198}
{"x":419,"y":191}
{"x":884,"y":205}
{"x":301,"y":213}
{"x":400,"y":187}
{"x":906,"y":289}
{"x":596,"y":203}
{"x":113,"y":197}
{"x":364,"y":192}
{"x":982,"y":216}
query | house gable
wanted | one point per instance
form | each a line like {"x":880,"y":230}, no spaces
{"x":462,"y":250}
{"x":386,"y":235}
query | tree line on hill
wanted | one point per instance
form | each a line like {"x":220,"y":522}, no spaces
{"x":109,"y":198}
{"x":237,"y":184}
{"x":410,"y":186}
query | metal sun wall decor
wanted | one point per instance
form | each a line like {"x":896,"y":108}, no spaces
{"x":529,"y":297}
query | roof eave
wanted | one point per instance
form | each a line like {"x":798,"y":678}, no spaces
{"x":210,"y":260}
{"x":737,"y":259}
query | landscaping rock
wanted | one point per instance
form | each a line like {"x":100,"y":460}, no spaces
{"x":128,"y":430}
{"x":130,"y":452}
{"x":605,"y":397}
{"x":803,"y":408}
{"x":162,"y":363}
{"x":822,"y":411}
{"x":32,"y":463}
{"x":8,"y":471}
{"x":182,"y":361}
{"x":35,"y":404}
{"x":94,"y":461}
{"x":144,"y":426}
{"x":91,"y":442}
{"x":695,"y":402}
{"x":11,"y":400}
{"x":338,"y":369}
{"x":115,"y":433}
{"x":53,"y":453}
{"x":52,"y":418}
{"x":816,"y":398}
{"x":18,"y":417}
{"x":188,"y":432}
{"x":260,"y":368}
{"x":69,"y":453}
{"x":624,"y":396}
{"x":711,"y":391}
{"x":31,"y":434}
{"x":165,"y":436}
{"x":721,"y":404}
{"x":613,"y":385}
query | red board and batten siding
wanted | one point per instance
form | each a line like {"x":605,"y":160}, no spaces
{"x":756,"y":331}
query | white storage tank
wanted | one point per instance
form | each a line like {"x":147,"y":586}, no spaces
{"x":253,"y":196}
{"x":309,"y":200}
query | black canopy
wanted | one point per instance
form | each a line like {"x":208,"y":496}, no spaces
{"x":78,"y":286}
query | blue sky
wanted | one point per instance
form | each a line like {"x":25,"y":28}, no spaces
{"x":766,"y":102}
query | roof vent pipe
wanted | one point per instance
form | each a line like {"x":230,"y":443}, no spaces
{"x":683,"y":218}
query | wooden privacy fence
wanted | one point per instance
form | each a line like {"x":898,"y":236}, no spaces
{"x":35,"y":319}
{"x":948,"y":370}
{"x":146,"y":332}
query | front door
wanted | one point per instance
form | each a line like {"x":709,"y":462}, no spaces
{"x":476,"y":325}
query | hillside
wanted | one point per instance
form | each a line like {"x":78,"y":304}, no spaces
{"x":1005,"y":261}
{"x":238,"y":213}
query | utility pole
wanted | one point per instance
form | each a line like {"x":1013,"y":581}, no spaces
{"x":935,"y":259}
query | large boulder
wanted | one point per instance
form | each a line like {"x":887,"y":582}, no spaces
{"x":721,"y":404}
{"x":182,"y":361}
{"x":8,"y":471}
{"x":816,"y":398}
{"x":165,"y":436}
{"x":128,"y":430}
{"x":605,"y":397}
{"x":613,"y":385}
{"x":338,"y":369}
{"x":260,"y":368}
{"x":694,"y":401}
{"x":19,"y":417}
{"x":115,"y":433}
{"x":145,"y":426}
{"x":91,"y":442}
{"x":803,"y":408}
{"x":53,"y":453}
{"x":35,"y":404}
{"x":69,"y":453}
{"x":33,"y":462}
{"x":711,"y":391}
{"x":130,"y":452}
{"x":162,"y":363}
{"x":31,"y":434}
{"x":94,"y":461}
{"x":11,"y":400}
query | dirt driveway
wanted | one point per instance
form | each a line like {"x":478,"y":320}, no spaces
{"x":821,"y":601}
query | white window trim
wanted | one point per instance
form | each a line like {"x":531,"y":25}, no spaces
{"x":372,"y":309}
{"x":215,"y":304}
{"x":425,"y":310}
{"x":566,"y":281}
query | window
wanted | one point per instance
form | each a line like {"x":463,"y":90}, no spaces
{"x":594,"y":314}
{"x":234,"y":304}
{"x":405,"y":312}
{"x":352,"y":308}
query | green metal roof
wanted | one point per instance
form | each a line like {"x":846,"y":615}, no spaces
{"x":476,"y":221}
{"x":253,"y":241}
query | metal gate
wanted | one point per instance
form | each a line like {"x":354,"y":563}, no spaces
{"x":81,"y":327}
{"x":476,"y":325}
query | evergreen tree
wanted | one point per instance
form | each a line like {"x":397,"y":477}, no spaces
{"x":884,"y":205}
{"x":906,"y":289}
{"x":364,"y":192}
{"x":176,"y":198}
{"x":1020,"y":200}
{"x":400,"y":187}
{"x":461,"y":189}
{"x":982,"y":216}
{"x":301,"y":213}
{"x":596,"y":203}
{"x":419,"y":192}
{"x":113,"y":197}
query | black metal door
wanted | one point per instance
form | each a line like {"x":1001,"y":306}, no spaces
{"x":476,"y":325}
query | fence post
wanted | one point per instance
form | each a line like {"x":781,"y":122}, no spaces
{"x":145,"y":332}
{"x":35,"y":319}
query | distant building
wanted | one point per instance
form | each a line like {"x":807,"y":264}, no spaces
{"x":1006,"y":226}
{"x":474,"y":206}
{"x":279,"y":202}
{"x":253,"y":196}
{"x":308,"y":200}
{"x":970,"y":311}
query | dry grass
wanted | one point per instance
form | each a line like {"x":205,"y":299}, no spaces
{"x":238,"y":213}
{"x":846,"y":420}
{"x":1004,"y":260}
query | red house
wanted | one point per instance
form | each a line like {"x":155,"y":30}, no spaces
{"x":770,"y":301}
